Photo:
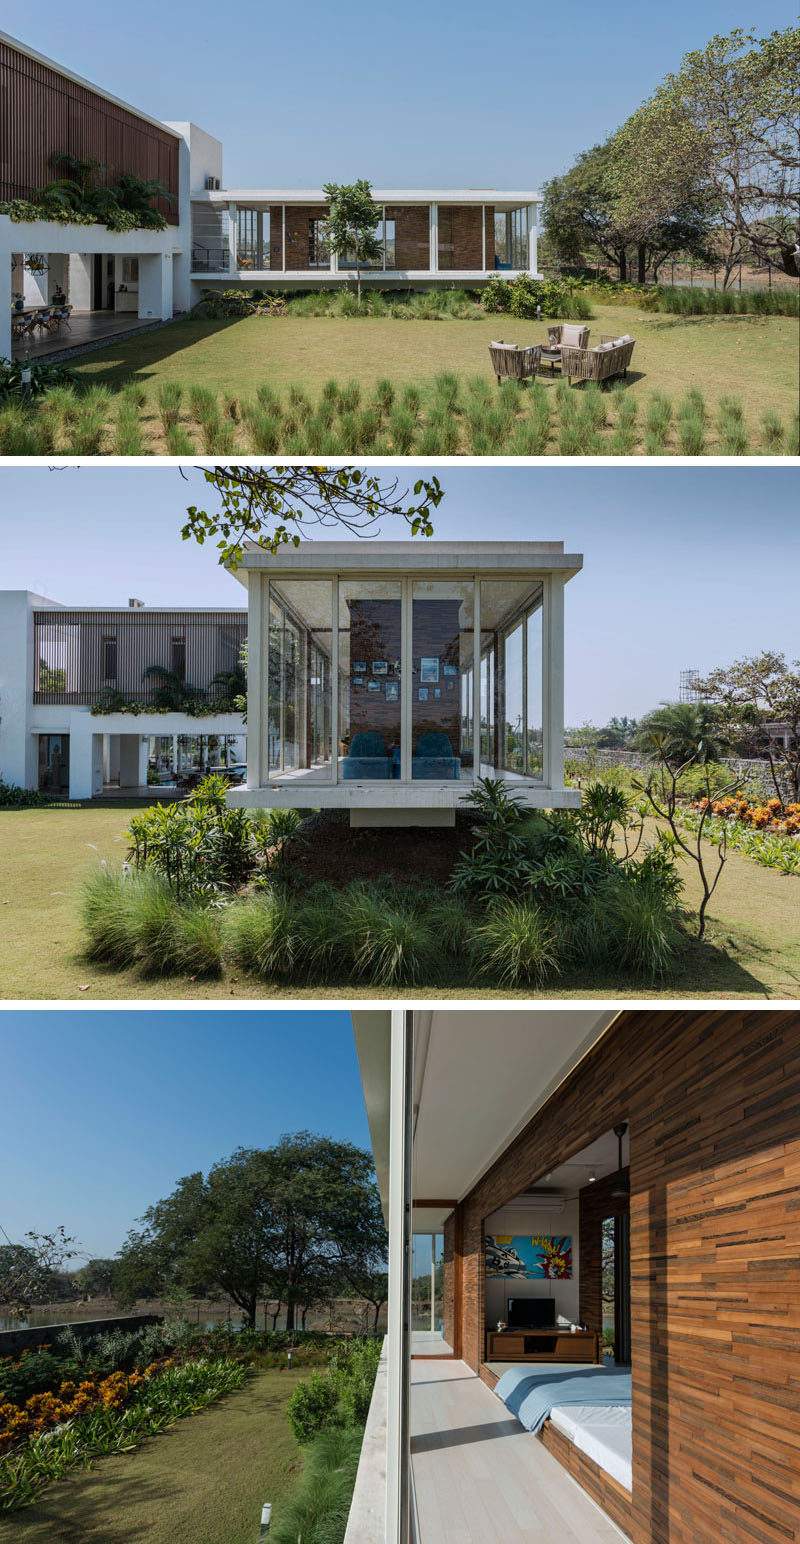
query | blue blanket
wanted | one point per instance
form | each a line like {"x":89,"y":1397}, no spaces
{"x":530,"y":1392}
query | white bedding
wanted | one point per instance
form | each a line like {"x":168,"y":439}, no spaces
{"x":602,"y":1432}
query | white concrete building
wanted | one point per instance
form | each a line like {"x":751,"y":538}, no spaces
{"x":386,"y":677}
{"x":80,"y":695}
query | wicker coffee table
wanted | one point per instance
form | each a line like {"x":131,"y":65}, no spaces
{"x":551,"y":354}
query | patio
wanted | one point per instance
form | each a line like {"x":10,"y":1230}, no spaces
{"x":86,"y":330}
{"x":479,"y":1476}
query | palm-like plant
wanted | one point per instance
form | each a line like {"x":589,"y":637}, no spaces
{"x":231,"y":684}
{"x":171,"y":691}
{"x":688,"y":732}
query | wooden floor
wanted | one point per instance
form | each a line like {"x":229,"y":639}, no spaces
{"x":86,"y":328}
{"x":481,"y":1478}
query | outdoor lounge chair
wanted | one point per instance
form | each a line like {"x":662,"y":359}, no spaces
{"x":434,"y":758}
{"x":611,"y":357}
{"x":510,"y":360}
{"x":366,"y":758}
{"x":568,"y":335}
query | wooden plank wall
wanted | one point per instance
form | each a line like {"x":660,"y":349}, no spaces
{"x":713,"y":1101}
{"x":43,"y":113}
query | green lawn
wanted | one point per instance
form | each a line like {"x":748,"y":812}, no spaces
{"x":202,"y":1482}
{"x":753,"y":358}
{"x":752,"y":948}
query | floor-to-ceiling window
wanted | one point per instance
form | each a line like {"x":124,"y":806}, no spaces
{"x":252,"y":238}
{"x":511,"y":678}
{"x":370,"y":649}
{"x":511,"y":229}
{"x":442,"y":653}
{"x":300,"y":680}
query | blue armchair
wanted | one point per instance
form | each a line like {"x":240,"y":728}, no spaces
{"x":367,"y":758}
{"x":434,"y":759}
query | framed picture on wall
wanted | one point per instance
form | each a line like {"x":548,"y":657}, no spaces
{"x":437,"y":691}
{"x":373,"y":686}
{"x":451,"y":685}
{"x":380,"y":667}
{"x":429,"y":669}
{"x":449,"y":670}
{"x":358,"y":680}
{"x":423,"y":694}
{"x":359,"y":667}
{"x":392,"y":691}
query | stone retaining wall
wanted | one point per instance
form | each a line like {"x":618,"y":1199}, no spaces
{"x":755,"y":771}
{"x":13,"y":1342}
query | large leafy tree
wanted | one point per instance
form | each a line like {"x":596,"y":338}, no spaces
{"x":352,"y":224}
{"x":727,"y":120}
{"x":270,"y":506}
{"x":279,"y":1223}
{"x":33,"y":1271}
{"x":757,"y":703}
{"x":579,"y":211}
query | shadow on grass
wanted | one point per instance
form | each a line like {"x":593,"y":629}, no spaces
{"x":133,"y":358}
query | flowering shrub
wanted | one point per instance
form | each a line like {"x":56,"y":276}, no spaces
{"x":771,"y":816}
{"x":770,"y":845}
{"x":41,"y":1412}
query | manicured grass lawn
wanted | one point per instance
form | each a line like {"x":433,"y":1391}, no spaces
{"x":752,"y":948}
{"x":202,"y":1482}
{"x":753,"y":358}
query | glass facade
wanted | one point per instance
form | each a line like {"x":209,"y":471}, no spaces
{"x":511,"y":230}
{"x":370,"y":645}
{"x":427,"y":1283}
{"x":252,"y":238}
{"x":299,"y":680}
{"x":442,"y":653}
{"x":511,"y":679}
{"x":385,"y":235}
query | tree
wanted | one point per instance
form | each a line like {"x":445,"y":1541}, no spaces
{"x":757,"y":701}
{"x":361,"y":1245}
{"x":662,"y":792}
{"x":269,"y":506}
{"x":352,"y":222}
{"x":51,"y":678}
{"x":32,"y":1272}
{"x":264,"y":1223}
{"x":664,"y":211}
{"x":681,"y":732}
{"x":95,"y":1278}
{"x":728,"y":119}
{"x":618,"y":732}
{"x":579,"y":211}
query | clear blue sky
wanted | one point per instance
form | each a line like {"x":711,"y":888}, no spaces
{"x":104,"y":1111}
{"x":683,"y":566}
{"x":444,"y":95}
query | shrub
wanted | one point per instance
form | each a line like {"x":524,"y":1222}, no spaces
{"x":516,"y":944}
{"x":136,"y":920}
{"x":318,"y":1511}
{"x":44,"y":376}
{"x":633,"y":928}
{"x":389,"y":945}
{"x":313,"y":1407}
{"x":264,"y":937}
{"x":14,"y":798}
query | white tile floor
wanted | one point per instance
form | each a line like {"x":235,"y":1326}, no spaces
{"x":481,"y":1478}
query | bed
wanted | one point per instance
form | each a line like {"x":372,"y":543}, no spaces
{"x":590,"y":1406}
{"x":602,"y":1432}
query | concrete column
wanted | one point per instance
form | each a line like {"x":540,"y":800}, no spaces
{"x":233,"y":260}
{"x":129,"y":760}
{"x":398,"y":1457}
{"x":5,"y":305}
{"x":155,"y":286}
{"x":533,"y":239}
{"x":434,"y":238}
{"x":85,"y":758}
{"x":79,"y":286}
{"x":144,"y":759}
{"x":553,"y":649}
{"x":256,"y":679}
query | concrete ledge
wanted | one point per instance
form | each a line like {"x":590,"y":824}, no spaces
{"x":380,"y":796}
{"x":367,"y":1521}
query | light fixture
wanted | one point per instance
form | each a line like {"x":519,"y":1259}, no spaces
{"x":621,"y":1188}
{"x":592,"y":1176}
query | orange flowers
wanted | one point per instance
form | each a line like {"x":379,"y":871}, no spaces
{"x":772,"y":816}
{"x":44,"y":1411}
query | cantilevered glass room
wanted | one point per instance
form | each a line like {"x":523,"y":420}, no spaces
{"x":387,"y":677}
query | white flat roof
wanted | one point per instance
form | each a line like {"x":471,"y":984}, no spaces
{"x":379,"y":195}
{"x":413,"y":556}
{"x":479,"y":1077}
{"x":52,"y":64}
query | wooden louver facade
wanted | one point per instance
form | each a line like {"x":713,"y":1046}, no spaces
{"x":44,"y":113}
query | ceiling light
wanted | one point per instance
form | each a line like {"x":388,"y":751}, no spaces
{"x":621,"y":1188}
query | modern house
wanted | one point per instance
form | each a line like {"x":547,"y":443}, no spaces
{"x":619,"y":1182}
{"x":384,"y":678}
{"x":215,"y":237}
{"x":85,"y":695}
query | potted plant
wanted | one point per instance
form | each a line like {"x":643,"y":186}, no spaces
{"x":19,"y":300}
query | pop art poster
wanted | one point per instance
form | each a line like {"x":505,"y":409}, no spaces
{"x":529,"y":1259}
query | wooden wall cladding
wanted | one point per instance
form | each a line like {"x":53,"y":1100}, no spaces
{"x":713,"y":1101}
{"x":43,"y":113}
{"x":595,"y":1203}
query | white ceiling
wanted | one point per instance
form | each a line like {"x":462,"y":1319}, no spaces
{"x":570,"y":1177}
{"x":479,"y":1077}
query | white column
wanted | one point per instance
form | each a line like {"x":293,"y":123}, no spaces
{"x":256,"y":678}
{"x":406,"y":678}
{"x":79,"y":284}
{"x":434,"y":235}
{"x":433,"y":1283}
{"x":553,"y":650}
{"x":335,"y":731}
{"x":283,"y":237}
{"x":483,"y":237}
{"x":232,"y":259}
{"x":533,"y":239}
{"x":82,"y":756}
{"x":144,"y":759}
{"x":5,"y":304}
{"x":398,"y":1336}
{"x":476,"y":681}
{"x":155,"y":286}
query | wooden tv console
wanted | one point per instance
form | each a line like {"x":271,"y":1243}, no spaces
{"x":542,"y":1346}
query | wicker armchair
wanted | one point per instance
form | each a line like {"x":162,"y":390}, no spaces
{"x":611,"y":357}
{"x":568,"y":335}
{"x":508,"y":359}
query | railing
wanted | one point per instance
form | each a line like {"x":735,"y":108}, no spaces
{"x":210,"y":259}
{"x":78,"y":656}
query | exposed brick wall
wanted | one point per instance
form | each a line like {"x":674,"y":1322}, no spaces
{"x":297,"y":228}
{"x":276,"y":236}
{"x":712,"y":1099}
{"x":412,"y":234}
{"x":460,"y":236}
{"x":375,"y":635}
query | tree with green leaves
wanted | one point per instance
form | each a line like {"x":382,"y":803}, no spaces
{"x":579,"y":212}
{"x":727,"y":121}
{"x":684,"y":732}
{"x":267,"y":507}
{"x":352,"y":224}
{"x":757,"y":703}
{"x":33,"y":1272}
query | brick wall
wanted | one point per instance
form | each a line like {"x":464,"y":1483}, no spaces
{"x":297,"y":229}
{"x":712,"y":1101}
{"x":460,"y":236}
{"x":412,"y":234}
{"x":375,"y":634}
{"x":448,"y":1316}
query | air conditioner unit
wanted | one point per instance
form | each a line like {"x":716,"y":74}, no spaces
{"x":537,"y":1201}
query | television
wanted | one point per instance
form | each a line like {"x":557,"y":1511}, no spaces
{"x":531,"y":1313}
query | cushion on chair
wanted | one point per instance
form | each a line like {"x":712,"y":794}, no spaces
{"x":433,"y":743}
{"x":572,"y":335}
{"x":367,"y":744}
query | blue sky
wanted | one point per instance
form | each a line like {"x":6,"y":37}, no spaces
{"x":104,"y":1111}
{"x":417,"y":95}
{"x":683,"y":566}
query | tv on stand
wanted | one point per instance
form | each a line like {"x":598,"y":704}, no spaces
{"x":531,"y":1313}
